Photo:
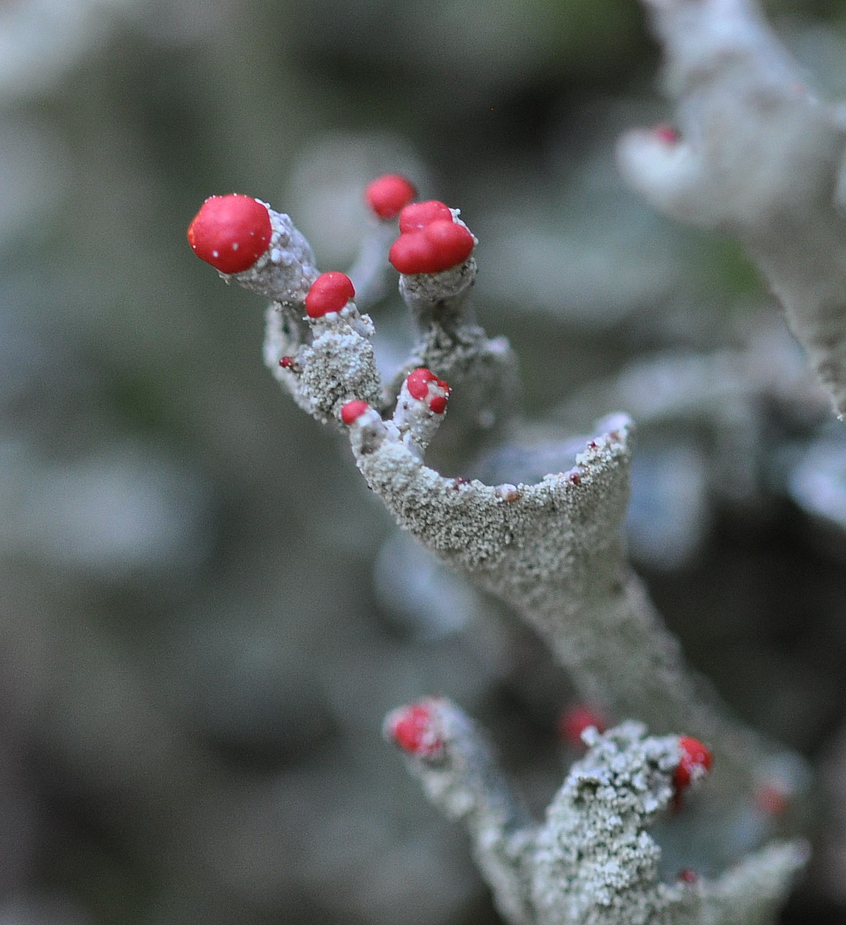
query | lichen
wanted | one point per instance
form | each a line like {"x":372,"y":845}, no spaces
{"x":550,"y":547}
{"x":759,"y":157}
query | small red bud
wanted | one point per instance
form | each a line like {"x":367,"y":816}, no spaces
{"x":415,"y":731}
{"x":772,"y":799}
{"x":230,"y":232}
{"x":353,"y":410}
{"x":424,"y":385}
{"x":412,"y":253}
{"x":695,"y":762}
{"x":453,"y":242}
{"x":575,"y":719}
{"x":415,"y":216}
{"x":437,"y":246}
{"x":418,"y":382}
{"x":388,"y":194}
{"x":667,"y":133}
{"x":330,"y":292}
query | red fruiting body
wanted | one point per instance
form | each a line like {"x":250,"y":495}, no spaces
{"x":419,"y":214}
{"x":687,"y":875}
{"x":286,"y":362}
{"x":353,"y":410}
{"x":695,"y":762}
{"x":438,"y":403}
{"x":418,"y":382}
{"x":414,"y":730}
{"x":667,"y":133}
{"x":438,"y":246}
{"x":453,"y":242}
{"x":424,"y":385}
{"x":410,"y":252}
{"x":230,"y":232}
{"x":330,"y":292}
{"x":388,"y":194}
{"x":772,"y":799}
{"x":575,"y":719}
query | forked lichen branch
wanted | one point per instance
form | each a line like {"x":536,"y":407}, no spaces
{"x":550,"y":547}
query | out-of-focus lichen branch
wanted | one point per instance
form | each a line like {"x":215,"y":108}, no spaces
{"x":757,"y":156}
{"x":459,"y":773}
{"x":592,"y":860}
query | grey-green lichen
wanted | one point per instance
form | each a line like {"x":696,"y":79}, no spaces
{"x":553,"y":551}
{"x":550,"y":546}
{"x":759,"y":157}
{"x":592,"y":860}
{"x":286,"y":270}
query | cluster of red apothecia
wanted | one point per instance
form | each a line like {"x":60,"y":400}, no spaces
{"x":415,"y":730}
{"x":430,"y":240}
{"x":232,"y":232}
{"x":421,"y":383}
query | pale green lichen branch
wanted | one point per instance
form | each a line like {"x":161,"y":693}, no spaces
{"x":597,"y":865}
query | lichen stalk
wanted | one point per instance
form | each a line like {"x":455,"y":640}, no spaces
{"x":758,"y":157}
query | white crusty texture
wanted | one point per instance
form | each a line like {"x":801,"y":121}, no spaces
{"x":592,"y":861}
{"x":286,"y":270}
{"x":759,"y":157}
{"x":553,"y":551}
{"x":465,"y":782}
{"x":595,"y":864}
{"x":332,"y":363}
